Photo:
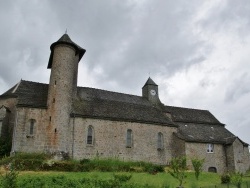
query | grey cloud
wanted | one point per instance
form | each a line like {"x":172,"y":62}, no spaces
{"x":238,"y":88}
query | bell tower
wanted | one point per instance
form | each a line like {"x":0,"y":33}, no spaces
{"x":63,"y":62}
{"x":150,"y":92}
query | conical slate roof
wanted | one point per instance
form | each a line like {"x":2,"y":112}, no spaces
{"x":65,"y":39}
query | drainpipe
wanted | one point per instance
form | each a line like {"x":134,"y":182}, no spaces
{"x":14,"y":133}
{"x":73,"y":137}
{"x":226,"y":158}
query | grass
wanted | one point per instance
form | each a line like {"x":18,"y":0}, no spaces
{"x":157,"y":180}
{"x":143,"y":174}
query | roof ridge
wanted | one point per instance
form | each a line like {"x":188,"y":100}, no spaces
{"x":33,"y":82}
{"x":186,"y":108}
{"x":110,"y":91}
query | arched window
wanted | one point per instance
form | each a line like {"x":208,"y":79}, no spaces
{"x":32,"y":126}
{"x":160,"y":141}
{"x":129,"y":138}
{"x":90,"y":137}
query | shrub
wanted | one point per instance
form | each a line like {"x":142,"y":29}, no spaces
{"x":122,"y":177}
{"x":197,"y":165}
{"x":84,"y":161}
{"x":236,"y":179}
{"x":9,"y":180}
{"x":225,"y":178}
{"x":177,"y":169}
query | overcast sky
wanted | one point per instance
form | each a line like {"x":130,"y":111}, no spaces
{"x":198,"y":52}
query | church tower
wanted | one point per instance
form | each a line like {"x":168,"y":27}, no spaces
{"x":150,"y":92}
{"x":63,"y":62}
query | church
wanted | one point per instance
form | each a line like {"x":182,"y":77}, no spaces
{"x":65,"y":120}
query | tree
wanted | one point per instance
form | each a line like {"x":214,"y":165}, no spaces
{"x":197,"y":165}
{"x":177,"y":169}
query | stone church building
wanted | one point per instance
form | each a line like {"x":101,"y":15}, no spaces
{"x":80,"y":122}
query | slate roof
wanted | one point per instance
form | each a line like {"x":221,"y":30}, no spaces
{"x":150,"y":82}
{"x":93,"y":103}
{"x":180,"y":114}
{"x":65,"y":39}
{"x":103,"y":104}
{"x":30,"y":94}
{"x":207,"y":133}
{"x":200,"y":126}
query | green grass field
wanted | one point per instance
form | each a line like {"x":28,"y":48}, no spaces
{"x":39,"y":171}
{"x":158,"y":180}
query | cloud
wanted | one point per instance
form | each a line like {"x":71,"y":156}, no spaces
{"x":196,"y":51}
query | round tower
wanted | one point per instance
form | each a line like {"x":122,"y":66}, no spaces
{"x":63,"y":62}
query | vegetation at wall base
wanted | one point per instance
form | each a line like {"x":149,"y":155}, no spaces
{"x":43,"y":162}
{"x":98,"y":172}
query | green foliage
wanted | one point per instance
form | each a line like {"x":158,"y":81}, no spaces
{"x":197,"y":165}
{"x":225,"y":178}
{"x":122,"y":177}
{"x":9,"y":180}
{"x":118,"y":181}
{"x":177,"y":169}
{"x":5,"y":146}
{"x":236,"y":179}
{"x":25,"y":161}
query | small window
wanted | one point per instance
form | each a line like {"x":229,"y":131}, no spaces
{"x":212,"y":169}
{"x":32,"y":127}
{"x":90,"y":135}
{"x":159,"y":141}
{"x":129,"y":138}
{"x":1,"y":124}
{"x":210,"y":148}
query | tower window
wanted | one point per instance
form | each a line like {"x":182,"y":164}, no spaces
{"x":129,"y":138}
{"x":54,"y":100}
{"x":90,"y":135}
{"x":160,"y":141}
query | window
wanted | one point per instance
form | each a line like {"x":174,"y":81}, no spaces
{"x":210,"y":148}
{"x":31,"y":126}
{"x":159,"y":141}
{"x":129,"y":138}
{"x":1,"y":124}
{"x":90,"y":135}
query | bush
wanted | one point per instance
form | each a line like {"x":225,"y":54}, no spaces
{"x":66,"y":166}
{"x":25,"y":161}
{"x":177,"y":169}
{"x":197,"y":165}
{"x":9,"y":180}
{"x":225,"y":178}
{"x":236,"y":179}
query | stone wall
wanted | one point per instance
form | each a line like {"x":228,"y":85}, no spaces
{"x":241,"y":156}
{"x":178,"y":147}
{"x":8,"y":119}
{"x":110,"y":141}
{"x":216,"y":159}
{"x":23,"y":140}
